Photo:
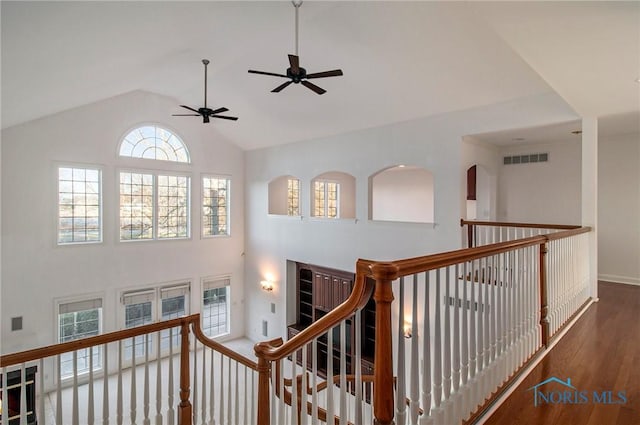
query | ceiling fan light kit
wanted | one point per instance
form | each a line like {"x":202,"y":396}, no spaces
{"x":295,"y":73}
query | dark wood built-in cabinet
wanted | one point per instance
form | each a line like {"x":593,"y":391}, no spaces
{"x":13,"y":395}
{"x":320,"y":290}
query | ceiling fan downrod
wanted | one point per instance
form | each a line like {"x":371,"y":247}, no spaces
{"x":297,"y":5}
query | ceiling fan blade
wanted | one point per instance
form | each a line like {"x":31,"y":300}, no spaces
{"x":251,"y":71}
{"x":217,"y":111}
{"x":294,"y":61}
{"x":185,"y":115}
{"x":333,"y":73}
{"x":191,"y":109}
{"x":313,"y":87}
{"x":281,"y":86}
{"x":225,"y":118}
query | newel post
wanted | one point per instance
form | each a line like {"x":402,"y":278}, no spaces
{"x":383,"y":361}
{"x":264,"y":370}
{"x":184,"y":408}
{"x":544,"y":295}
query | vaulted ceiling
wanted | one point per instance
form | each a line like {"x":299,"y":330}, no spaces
{"x":401,"y":60}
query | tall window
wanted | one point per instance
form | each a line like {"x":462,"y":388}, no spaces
{"x":326,"y":198}
{"x":215,"y":206}
{"x":79,"y":205}
{"x":78,"y":320}
{"x":153,"y":206}
{"x":153,"y":142}
{"x":215,"y":306}
{"x":293,"y":197}
{"x":147,"y":306}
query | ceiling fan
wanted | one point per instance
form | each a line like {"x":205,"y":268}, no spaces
{"x":295,"y":73}
{"x":205,"y":112}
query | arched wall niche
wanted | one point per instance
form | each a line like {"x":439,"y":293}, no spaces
{"x":402,"y":193}
{"x":284,"y":196}
{"x":322,"y":206}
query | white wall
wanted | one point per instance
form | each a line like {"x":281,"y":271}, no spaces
{"x":402,"y":194}
{"x":489,"y":162}
{"x":619,"y":208}
{"x":36,"y":272}
{"x":433,"y":143}
{"x":545,"y":192}
{"x":278,"y":192}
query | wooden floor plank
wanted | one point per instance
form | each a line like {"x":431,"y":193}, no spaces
{"x":600,"y":353}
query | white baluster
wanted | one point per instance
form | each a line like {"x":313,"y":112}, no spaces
{"x":212,"y":399}
{"x":464,"y":349}
{"x":414,"y":403}
{"x":58,"y":392}
{"x":146,"y":420}
{"x":330,"y":386}
{"x":314,"y":382}
{"x":293,"y":413}
{"x":437,"y":355}
{"x":119,"y":410}
{"x":401,"y":405}
{"x":357,"y":364}
{"x":75,"y":418}
{"x":472,"y":324}
{"x":303,"y":388}
{"x":229,"y":411}
{"x":281,"y":407}
{"x":237,"y":393}
{"x":447,"y":337}
{"x":253,"y":397}
{"x":222,"y":410}
{"x":194,"y":394}
{"x":159,"y":379}
{"x":246,"y":396}
{"x":170,"y":388}
{"x":90,"y":402}
{"x":272,"y":390}
{"x":204,"y":385}
{"x":426,"y":350}
{"x":133,"y":395}
{"x":42,"y":420}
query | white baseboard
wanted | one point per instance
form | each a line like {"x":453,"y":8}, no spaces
{"x":619,"y":279}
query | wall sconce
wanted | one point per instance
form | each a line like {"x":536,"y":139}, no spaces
{"x":267,"y":285}
{"x":407,"y":330}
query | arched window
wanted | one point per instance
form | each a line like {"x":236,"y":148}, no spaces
{"x":153,"y":142}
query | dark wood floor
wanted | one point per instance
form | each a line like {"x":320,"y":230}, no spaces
{"x":601,"y":352}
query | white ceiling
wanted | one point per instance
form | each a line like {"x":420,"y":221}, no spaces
{"x":401,"y":60}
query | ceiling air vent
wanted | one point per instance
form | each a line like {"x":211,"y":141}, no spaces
{"x":525,"y":159}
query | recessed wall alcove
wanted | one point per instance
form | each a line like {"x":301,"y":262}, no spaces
{"x":284,"y":196}
{"x":333,"y":195}
{"x":402,"y":193}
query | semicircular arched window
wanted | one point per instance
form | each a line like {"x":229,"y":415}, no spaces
{"x":153,"y":142}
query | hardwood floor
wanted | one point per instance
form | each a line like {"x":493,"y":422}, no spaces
{"x":600,"y":353}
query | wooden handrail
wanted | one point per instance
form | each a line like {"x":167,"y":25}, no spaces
{"x":65,"y":347}
{"x":359,"y":297}
{"x":567,"y":233}
{"x":510,"y":224}
{"x":216,"y":346}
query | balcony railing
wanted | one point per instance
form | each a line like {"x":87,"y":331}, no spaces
{"x":452,"y":330}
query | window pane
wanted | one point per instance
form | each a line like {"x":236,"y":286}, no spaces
{"x":136,"y":210}
{"x":332,"y":199}
{"x":319,"y":199}
{"x":215,"y":311}
{"x":138,"y":315}
{"x":293,"y":197}
{"x":155,"y":143}
{"x":173,"y":206}
{"x":74,"y":326}
{"x":215,"y":201}
{"x":73,"y":186}
{"x":172,"y":308}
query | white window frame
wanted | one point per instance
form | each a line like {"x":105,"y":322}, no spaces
{"x":210,"y":283}
{"x":202,"y":205}
{"x":155,"y":208}
{"x":76,"y":305}
{"x":326,"y":183}
{"x":293,"y":211}
{"x":156,"y":127}
{"x":154,"y":295}
{"x":85,"y":167}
